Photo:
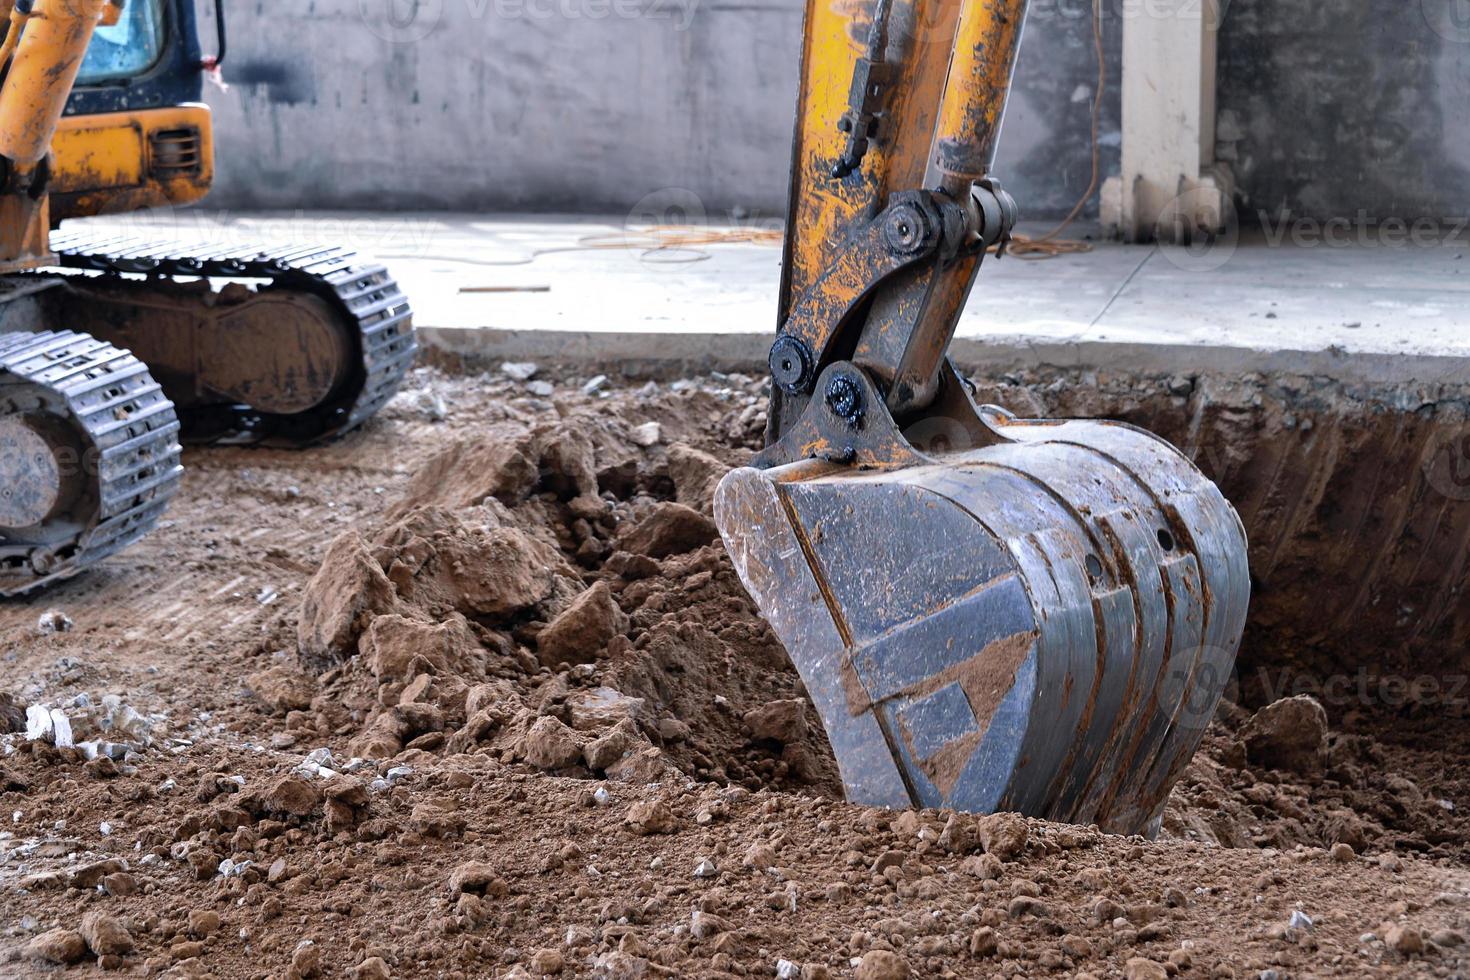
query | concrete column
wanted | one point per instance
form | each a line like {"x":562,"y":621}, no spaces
{"x":1171,"y":187}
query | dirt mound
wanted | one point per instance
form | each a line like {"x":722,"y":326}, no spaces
{"x":535,"y":597}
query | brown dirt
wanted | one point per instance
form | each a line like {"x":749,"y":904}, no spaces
{"x":577,"y":748}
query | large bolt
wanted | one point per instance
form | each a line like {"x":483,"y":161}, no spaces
{"x":791,"y":364}
{"x":845,"y":399}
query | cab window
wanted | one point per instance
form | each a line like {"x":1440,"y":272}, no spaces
{"x":127,"y":48}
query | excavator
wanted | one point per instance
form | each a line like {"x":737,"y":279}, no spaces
{"x":989,"y":613}
{"x":114,"y":348}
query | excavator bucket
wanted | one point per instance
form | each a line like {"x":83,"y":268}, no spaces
{"x":989,"y":613}
{"x":1042,"y":625}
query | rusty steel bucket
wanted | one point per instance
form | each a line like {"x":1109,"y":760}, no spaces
{"x":1042,"y":624}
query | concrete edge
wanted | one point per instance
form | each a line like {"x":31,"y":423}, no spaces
{"x":663,"y":353}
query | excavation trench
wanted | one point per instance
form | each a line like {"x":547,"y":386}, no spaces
{"x":1356,"y":502}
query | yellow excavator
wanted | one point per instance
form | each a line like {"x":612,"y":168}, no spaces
{"x":989,"y":613}
{"x":114,"y":347}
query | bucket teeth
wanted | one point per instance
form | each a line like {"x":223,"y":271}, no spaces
{"x":1043,"y":625}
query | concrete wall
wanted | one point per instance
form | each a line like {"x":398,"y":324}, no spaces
{"x":579,"y":105}
{"x":1332,"y":106}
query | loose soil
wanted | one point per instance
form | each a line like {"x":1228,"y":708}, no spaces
{"x":475,"y":692}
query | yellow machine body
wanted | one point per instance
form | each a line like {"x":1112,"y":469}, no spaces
{"x":126,"y":161}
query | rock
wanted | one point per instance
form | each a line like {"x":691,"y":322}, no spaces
{"x":470,"y":472}
{"x":282,"y":688}
{"x":581,"y":632}
{"x":778,"y":721}
{"x":88,"y":875}
{"x":372,"y":968}
{"x":519,"y":370}
{"x":646,"y":435}
{"x":1404,"y":940}
{"x":631,"y":567}
{"x":1342,"y":853}
{"x":1003,"y":835}
{"x":1288,"y":734}
{"x":346,"y":592}
{"x":613,"y":746}
{"x":53,"y":621}
{"x":347,"y":790}
{"x":120,"y":885}
{"x":650,"y":818}
{"x":1139,"y":968}
{"x":475,"y":878}
{"x":880,"y":964}
{"x":503,"y":572}
{"x":618,"y":965}
{"x":393,"y":647}
{"x":760,"y":857}
{"x":704,"y":925}
{"x":12,"y":714}
{"x":983,"y":942}
{"x":1447,"y":938}
{"x":294,"y":795}
{"x":57,"y":946}
{"x":551,"y":745}
{"x":696,"y":474}
{"x":105,"y":934}
{"x":306,"y":961}
{"x":203,"y":923}
{"x":645,"y":766}
{"x":671,"y":529}
{"x":547,"y":963}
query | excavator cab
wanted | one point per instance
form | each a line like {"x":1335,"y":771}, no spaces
{"x":114,"y":347}
{"x":136,"y":133}
{"x":989,"y":613}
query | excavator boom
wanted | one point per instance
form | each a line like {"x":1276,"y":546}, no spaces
{"x":988,"y":612}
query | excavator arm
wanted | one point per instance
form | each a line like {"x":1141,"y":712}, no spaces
{"x":988,"y":612}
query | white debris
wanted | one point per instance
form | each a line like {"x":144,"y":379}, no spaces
{"x":541,"y":389}
{"x":38,"y":722}
{"x":601,"y":796}
{"x":398,"y":773}
{"x":519,"y":370}
{"x":1300,"y":920}
{"x":647,"y":434}
{"x":266,"y":596}
{"x":786,"y":970}
{"x":594,"y":384}
{"x":1447,"y":805}
{"x":105,"y":828}
{"x":61,"y":730}
{"x":320,"y":757}
{"x":706,"y":869}
{"x":230,"y":869}
{"x":120,"y":717}
{"x":53,"y":621}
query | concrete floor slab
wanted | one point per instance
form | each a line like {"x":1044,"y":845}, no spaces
{"x":578,"y":287}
